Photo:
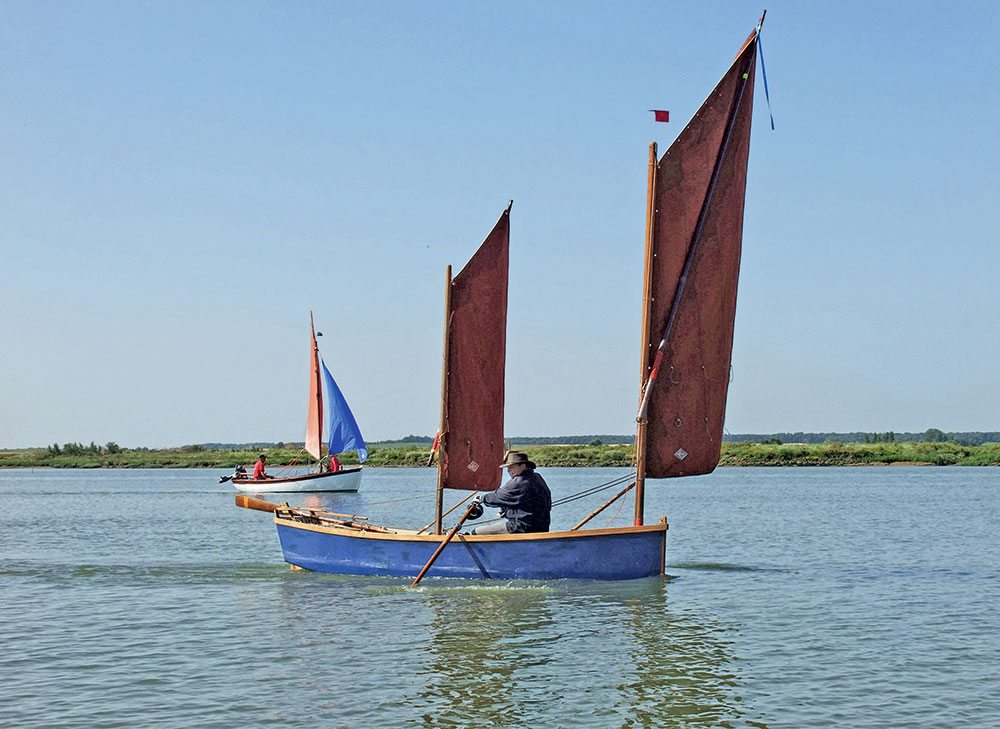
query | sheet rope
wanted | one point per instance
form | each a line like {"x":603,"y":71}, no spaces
{"x":558,"y":502}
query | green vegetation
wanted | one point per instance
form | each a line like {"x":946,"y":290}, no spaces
{"x":933,"y":453}
{"x":773,"y":453}
{"x":73,"y":455}
{"x":931,"y":435}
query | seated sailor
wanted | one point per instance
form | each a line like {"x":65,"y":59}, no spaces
{"x":524,"y":501}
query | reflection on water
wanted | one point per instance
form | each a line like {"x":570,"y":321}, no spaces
{"x":685,"y":668}
{"x":482,"y":642}
{"x":499,"y":655}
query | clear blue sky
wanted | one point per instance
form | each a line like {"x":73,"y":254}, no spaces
{"x":182,"y":182}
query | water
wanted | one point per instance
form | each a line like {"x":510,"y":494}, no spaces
{"x":860,"y":597}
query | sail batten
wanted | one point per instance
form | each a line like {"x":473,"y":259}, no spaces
{"x":698,"y":201}
{"x":471,"y":441}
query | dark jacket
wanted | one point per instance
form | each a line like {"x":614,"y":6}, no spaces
{"x":525,"y":501}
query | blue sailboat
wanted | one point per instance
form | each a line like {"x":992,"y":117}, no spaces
{"x":344,"y":435}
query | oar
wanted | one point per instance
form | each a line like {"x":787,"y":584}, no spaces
{"x":444,"y":544}
{"x":248,"y":503}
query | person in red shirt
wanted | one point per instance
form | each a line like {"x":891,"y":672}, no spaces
{"x":334,"y":465}
{"x":258,"y":469}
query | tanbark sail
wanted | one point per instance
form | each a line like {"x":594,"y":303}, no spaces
{"x":693,"y":269}
{"x":472,"y":417}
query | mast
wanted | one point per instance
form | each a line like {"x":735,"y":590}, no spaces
{"x":647,"y":296}
{"x":439,"y":497}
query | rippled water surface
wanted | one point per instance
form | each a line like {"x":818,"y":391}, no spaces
{"x":794,"y":598}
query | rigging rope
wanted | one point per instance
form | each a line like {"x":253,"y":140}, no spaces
{"x":592,"y":490}
{"x":558,"y":502}
{"x":565,"y":500}
{"x":288,"y":466}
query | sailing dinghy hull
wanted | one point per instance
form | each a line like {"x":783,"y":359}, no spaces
{"x":346,"y":479}
{"x":598,"y":554}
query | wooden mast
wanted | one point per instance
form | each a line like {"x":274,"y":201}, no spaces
{"x":647,"y":294}
{"x":439,"y":499}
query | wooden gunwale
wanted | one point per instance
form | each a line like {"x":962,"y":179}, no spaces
{"x":410,"y":535}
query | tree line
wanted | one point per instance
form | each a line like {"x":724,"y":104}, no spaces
{"x":931,"y":435}
{"x":79,"y":449}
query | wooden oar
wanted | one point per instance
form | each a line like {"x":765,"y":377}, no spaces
{"x":444,"y":544}
{"x":248,"y":503}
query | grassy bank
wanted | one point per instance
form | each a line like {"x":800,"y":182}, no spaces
{"x":733,"y":454}
{"x":860,"y":454}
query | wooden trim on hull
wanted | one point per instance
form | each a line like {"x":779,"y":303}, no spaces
{"x":600,"y":554}
{"x":349,"y":480}
{"x":410,"y":535}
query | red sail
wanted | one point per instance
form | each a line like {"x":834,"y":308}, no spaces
{"x":472,"y":432}
{"x":697,"y":236}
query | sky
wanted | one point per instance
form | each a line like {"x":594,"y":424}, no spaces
{"x":183,"y":182}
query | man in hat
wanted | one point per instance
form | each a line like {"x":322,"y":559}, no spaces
{"x":524,"y":501}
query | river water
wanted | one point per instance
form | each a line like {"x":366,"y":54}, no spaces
{"x":800,"y":598}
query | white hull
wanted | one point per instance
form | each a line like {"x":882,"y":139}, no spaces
{"x":348,"y":479}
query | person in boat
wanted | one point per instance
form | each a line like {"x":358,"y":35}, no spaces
{"x":524,"y":501}
{"x":258,"y":469}
{"x":333,"y":465}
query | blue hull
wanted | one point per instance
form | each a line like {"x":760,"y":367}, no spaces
{"x":602,"y":554}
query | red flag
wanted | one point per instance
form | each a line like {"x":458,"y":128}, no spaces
{"x":660,"y":116}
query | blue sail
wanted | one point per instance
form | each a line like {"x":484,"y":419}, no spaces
{"x":345,"y":435}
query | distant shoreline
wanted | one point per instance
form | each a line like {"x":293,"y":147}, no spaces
{"x":743,"y":454}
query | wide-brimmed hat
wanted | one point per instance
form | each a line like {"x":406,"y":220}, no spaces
{"x":514,"y":457}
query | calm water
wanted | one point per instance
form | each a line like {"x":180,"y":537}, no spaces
{"x":795,"y":598}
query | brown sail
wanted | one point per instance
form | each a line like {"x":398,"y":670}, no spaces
{"x":692,"y":273}
{"x":471,"y":446}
